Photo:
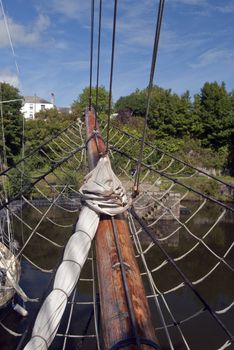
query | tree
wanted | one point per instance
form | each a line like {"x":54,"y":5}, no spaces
{"x":12,"y":122}
{"x":53,"y":115}
{"x":169,"y":114}
{"x":47,"y":122}
{"x":216,"y":116}
{"x":230,"y":158}
{"x":82,"y":101}
{"x":135,"y":102}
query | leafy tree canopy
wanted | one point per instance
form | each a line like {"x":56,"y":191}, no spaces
{"x":47,"y":122}
{"x":11,"y":121}
{"x":215,"y":115}
{"x":169,"y":114}
{"x":82,"y":101}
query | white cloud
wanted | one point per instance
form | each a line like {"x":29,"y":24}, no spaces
{"x":59,"y":44}
{"x":192,"y":2}
{"x":207,"y":5}
{"x":228,"y":8}
{"x":10,"y":78}
{"x":136,"y":29}
{"x":213,"y":56}
{"x":42,"y":23}
{"x":77,"y":64}
{"x":71,"y":8}
{"x":23,"y":35}
{"x":171,"y":41}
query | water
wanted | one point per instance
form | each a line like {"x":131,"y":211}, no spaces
{"x":218,"y":289}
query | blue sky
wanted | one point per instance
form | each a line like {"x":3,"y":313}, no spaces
{"x":51,"y":43}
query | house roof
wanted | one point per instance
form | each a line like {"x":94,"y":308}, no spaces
{"x":35,"y":99}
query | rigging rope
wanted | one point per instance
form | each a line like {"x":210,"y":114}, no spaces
{"x":172,"y":156}
{"x":105,"y":189}
{"x":126,"y":288}
{"x":212,"y":199}
{"x":91,"y":54}
{"x":4,"y":184}
{"x":111,"y":73}
{"x":32,"y":184}
{"x":98,"y":56}
{"x":9,"y":36}
{"x":153,"y":287}
{"x":36,"y":149}
{"x":183,"y":276}
{"x":150,"y":86}
{"x":59,"y":148}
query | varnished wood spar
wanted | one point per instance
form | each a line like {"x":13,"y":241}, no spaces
{"x":116,"y":325}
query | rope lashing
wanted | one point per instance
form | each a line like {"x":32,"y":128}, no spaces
{"x":103,"y":191}
{"x":95,"y":135}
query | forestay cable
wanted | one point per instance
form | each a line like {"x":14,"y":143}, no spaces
{"x":111,"y":73}
{"x":91,"y":54}
{"x":150,"y":86}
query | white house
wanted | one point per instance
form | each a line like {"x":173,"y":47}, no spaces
{"x":35,"y":104}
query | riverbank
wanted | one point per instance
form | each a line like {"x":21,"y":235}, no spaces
{"x":201,"y":184}
{"x":209,"y":187}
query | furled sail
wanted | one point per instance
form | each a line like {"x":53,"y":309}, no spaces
{"x":102,"y":193}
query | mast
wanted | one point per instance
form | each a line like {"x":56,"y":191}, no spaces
{"x":125,"y":313}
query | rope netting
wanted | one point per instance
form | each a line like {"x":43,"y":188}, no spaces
{"x":185,"y":257}
{"x":49,"y":199}
{"x":172,"y":224}
{"x":172,"y":211}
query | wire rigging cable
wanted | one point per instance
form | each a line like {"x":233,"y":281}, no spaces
{"x":125,"y":284}
{"x":111,"y":73}
{"x":172,"y":156}
{"x":150,"y":86}
{"x":91,"y":54}
{"x":98,"y":53}
{"x":156,"y":291}
{"x":37,"y":149}
{"x":9,"y":36}
{"x":183,"y":276}
{"x":58,"y":158}
{"x":32,"y":184}
{"x":190,"y":188}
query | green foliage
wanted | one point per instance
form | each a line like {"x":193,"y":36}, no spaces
{"x":136,"y":102}
{"x":215,"y":113}
{"x":199,"y":131}
{"x":12,"y":120}
{"x":169,"y":114}
{"x":203,"y":185}
{"x":54,"y":116}
{"x":18,"y":182}
{"x":191,"y":151}
{"x":195,"y":128}
{"x":230,"y":158}
{"x":82,"y":102}
{"x":46,"y":123}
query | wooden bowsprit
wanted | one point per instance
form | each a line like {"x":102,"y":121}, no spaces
{"x":125,"y":314}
